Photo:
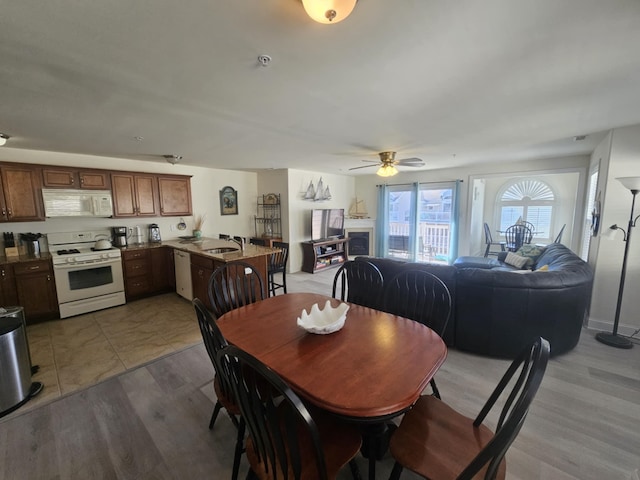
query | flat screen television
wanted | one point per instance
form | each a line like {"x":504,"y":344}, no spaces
{"x":327,"y":223}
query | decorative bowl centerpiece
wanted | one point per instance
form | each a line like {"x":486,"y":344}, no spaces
{"x":327,"y":320}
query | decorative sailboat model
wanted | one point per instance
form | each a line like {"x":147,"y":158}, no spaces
{"x":358,"y":209}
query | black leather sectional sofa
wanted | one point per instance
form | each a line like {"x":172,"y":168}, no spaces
{"x":496,"y":312}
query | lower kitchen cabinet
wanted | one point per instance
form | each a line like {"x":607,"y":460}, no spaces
{"x":136,"y":266}
{"x":201,"y":270}
{"x":36,"y":290}
{"x":8,"y":293}
{"x":162,"y":270}
{"x":148,"y":271}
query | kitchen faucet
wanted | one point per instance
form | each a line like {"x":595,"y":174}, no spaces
{"x":239,"y":240}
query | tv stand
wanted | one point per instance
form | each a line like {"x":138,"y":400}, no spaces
{"x":318,"y":255}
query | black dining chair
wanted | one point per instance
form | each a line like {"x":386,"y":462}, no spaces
{"x":261,"y":242}
{"x":529,"y":225}
{"x":516,"y":236}
{"x":214,"y":341}
{"x":286,"y":439}
{"x":358,"y":282}
{"x":420,"y":296}
{"x":234,"y":284}
{"x":558,"y":238}
{"x":488,"y":239}
{"x":436,"y":442}
{"x":278,"y":265}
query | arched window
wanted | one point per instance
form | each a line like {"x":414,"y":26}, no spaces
{"x":530,"y":200}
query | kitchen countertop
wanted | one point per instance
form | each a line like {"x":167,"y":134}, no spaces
{"x":24,"y":258}
{"x":199,"y":247}
{"x":205,"y":244}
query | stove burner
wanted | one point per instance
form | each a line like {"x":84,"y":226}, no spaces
{"x":68,"y":252}
{"x":102,"y":249}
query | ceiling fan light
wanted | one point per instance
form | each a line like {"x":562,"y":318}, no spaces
{"x":328,"y":11}
{"x":387,"y":171}
{"x":3,"y":139}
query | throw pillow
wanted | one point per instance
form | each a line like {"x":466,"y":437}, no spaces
{"x":516,"y":260}
{"x":532,"y":252}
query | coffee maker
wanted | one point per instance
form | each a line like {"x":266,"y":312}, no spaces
{"x":119,"y":236}
{"x":154,"y":233}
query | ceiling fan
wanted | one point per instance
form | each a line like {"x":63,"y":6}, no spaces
{"x":388,"y":163}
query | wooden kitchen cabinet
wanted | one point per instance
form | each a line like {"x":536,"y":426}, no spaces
{"x":8,"y":293}
{"x":175,"y":195}
{"x":134,"y":195}
{"x":201,"y":270}
{"x":136,"y":265}
{"x":36,"y":290}
{"x":21,"y":193}
{"x":75,"y":178}
{"x":163,"y":275}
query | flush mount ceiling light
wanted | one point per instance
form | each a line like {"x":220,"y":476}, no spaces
{"x":173,"y":159}
{"x":387,"y":171}
{"x":3,"y":139}
{"x":328,"y":11}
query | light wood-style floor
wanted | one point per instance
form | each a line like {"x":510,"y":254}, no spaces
{"x":150,"y":421}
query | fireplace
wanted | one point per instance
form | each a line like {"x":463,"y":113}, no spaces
{"x":358,"y":243}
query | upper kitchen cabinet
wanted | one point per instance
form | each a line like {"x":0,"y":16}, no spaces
{"x":75,"y":178}
{"x":20,"y":193}
{"x":134,"y":195}
{"x":175,"y":195}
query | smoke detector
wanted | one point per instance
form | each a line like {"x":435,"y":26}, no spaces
{"x":173,"y":159}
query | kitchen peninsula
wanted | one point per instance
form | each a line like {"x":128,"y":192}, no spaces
{"x":207,"y":254}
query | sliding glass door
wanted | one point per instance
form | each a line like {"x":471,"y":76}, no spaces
{"x":418,"y":222}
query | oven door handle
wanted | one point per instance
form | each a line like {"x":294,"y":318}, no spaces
{"x":78,"y":266}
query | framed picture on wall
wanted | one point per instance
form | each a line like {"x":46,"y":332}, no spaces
{"x":228,"y":201}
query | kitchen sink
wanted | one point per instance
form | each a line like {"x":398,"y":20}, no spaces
{"x":222,"y":250}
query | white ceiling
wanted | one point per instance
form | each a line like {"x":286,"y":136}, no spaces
{"x":452,"y":82}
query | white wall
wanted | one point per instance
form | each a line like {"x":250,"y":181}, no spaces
{"x":624,"y":161}
{"x":205,"y":186}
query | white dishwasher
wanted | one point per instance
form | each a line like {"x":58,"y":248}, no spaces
{"x":183,"y":274}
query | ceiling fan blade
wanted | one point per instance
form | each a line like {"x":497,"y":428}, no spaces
{"x":411,"y":161}
{"x":364,"y":166}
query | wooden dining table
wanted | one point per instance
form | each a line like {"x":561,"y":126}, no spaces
{"x":371,"y":370}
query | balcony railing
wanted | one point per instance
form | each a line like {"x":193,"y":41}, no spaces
{"x":433,"y":241}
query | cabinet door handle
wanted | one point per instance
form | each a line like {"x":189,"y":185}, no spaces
{"x":48,"y":278}
{"x":9,"y":212}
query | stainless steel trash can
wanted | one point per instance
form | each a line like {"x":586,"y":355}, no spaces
{"x":15,"y":368}
{"x":15,"y":361}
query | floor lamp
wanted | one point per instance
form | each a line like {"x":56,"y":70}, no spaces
{"x":613,"y":339}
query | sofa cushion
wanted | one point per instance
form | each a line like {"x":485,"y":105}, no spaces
{"x":516,"y":260}
{"x":531,"y":252}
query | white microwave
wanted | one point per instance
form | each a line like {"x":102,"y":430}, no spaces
{"x":77,"y":203}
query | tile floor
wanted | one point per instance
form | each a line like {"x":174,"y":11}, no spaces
{"x":77,"y":352}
